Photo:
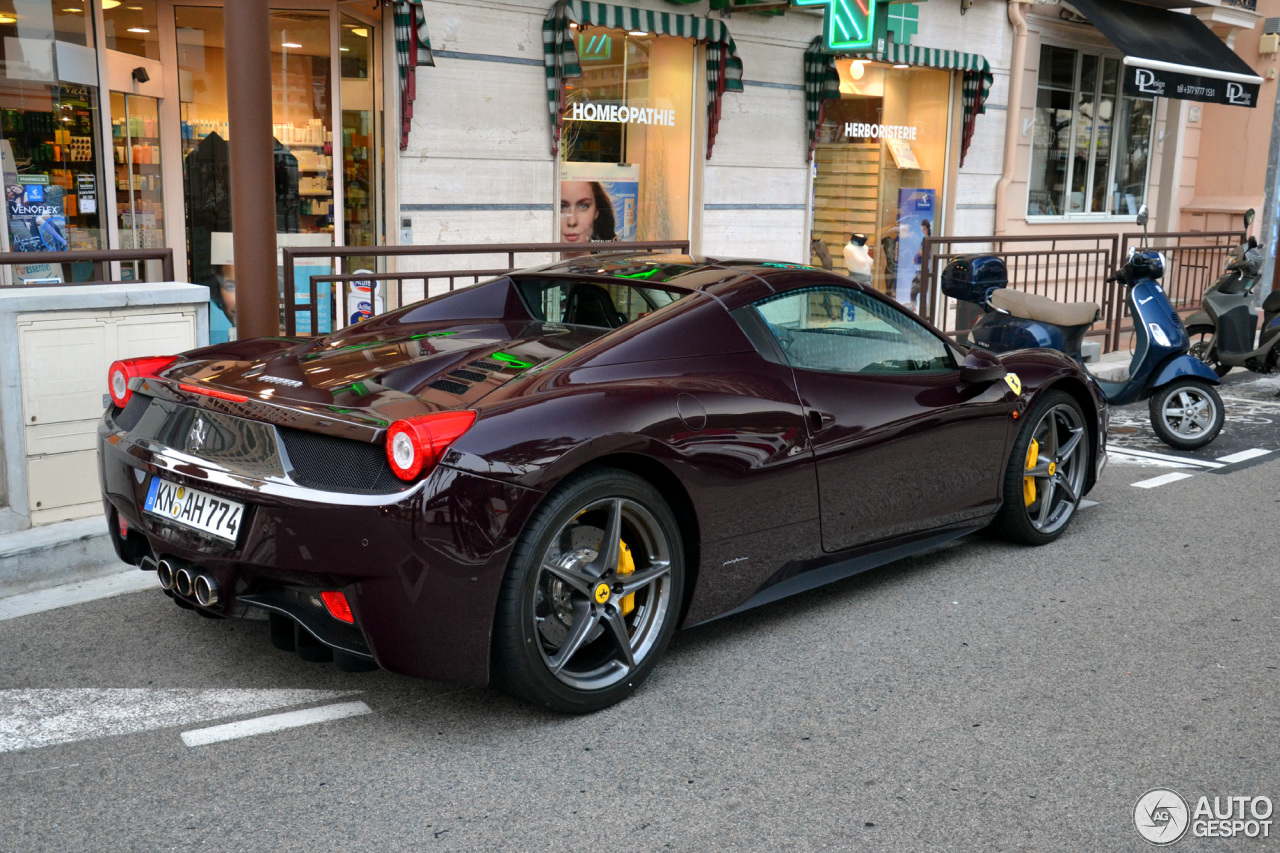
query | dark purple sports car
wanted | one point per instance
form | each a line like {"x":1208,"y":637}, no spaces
{"x":534,"y":481}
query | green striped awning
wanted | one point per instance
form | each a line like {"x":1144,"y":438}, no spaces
{"x":413,"y":48}
{"x":560,"y":54}
{"x":822,"y":82}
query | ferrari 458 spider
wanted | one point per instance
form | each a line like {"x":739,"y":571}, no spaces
{"x":532,"y":482}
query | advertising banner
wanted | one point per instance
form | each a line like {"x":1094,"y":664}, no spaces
{"x":915,"y":222}
{"x":36,"y":220}
{"x":587,"y":188}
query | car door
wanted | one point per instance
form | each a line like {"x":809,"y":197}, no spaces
{"x":901,"y":445}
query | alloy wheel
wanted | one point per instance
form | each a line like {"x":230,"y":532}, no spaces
{"x":1189,"y":412}
{"x":603,"y":594}
{"x":1055,"y":469}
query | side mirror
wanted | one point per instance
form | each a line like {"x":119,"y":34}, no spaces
{"x":1248,"y":217}
{"x":981,"y":366}
{"x":1142,"y":216}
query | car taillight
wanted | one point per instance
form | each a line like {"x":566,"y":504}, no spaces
{"x":122,"y":371}
{"x":416,"y":444}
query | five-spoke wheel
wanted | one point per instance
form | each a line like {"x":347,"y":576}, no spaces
{"x":1046,"y":473}
{"x":592,"y":593}
{"x":1186,"y":413}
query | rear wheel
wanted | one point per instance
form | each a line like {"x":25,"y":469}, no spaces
{"x":1202,"y":348}
{"x":1045,"y":476}
{"x":1186,"y":413}
{"x":591,"y":595}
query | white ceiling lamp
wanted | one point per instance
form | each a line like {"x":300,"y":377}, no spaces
{"x":290,"y":44}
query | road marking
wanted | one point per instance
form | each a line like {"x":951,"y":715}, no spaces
{"x":127,"y":580}
{"x":1251,"y":401}
{"x":1243,"y":455}
{"x":274,"y":723}
{"x":1166,"y":457}
{"x":1162,"y":480}
{"x":30,"y":719}
{"x":1085,"y":503}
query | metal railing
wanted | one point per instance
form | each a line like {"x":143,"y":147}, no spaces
{"x":1075,"y":268}
{"x":98,"y":257}
{"x":297,"y":304}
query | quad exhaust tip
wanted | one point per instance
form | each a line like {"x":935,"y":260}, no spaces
{"x":206,"y":589}
{"x":164,"y":574}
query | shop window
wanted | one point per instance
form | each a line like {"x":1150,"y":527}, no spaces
{"x":843,"y":331}
{"x":49,"y":135}
{"x":131,"y":26}
{"x":626,"y":153}
{"x":880,"y":163}
{"x":1092,"y":144}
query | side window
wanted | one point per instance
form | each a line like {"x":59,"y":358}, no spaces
{"x":834,"y":329}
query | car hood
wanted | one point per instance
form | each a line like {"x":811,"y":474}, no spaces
{"x":376,"y":377}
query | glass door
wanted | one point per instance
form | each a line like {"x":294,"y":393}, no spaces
{"x":135,"y":138}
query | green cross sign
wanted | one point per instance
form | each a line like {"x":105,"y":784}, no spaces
{"x":847,"y":24}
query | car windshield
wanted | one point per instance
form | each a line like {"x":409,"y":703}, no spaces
{"x":592,"y":303}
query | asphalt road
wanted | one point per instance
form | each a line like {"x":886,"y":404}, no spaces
{"x":981,"y":697}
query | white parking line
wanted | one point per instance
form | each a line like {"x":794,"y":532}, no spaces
{"x":1162,"y":480}
{"x":274,"y":723}
{"x":1243,"y":455}
{"x":126,"y":580}
{"x":1165,"y":457}
{"x":1251,"y":401}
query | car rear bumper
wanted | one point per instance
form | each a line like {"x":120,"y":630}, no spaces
{"x":421,"y":568}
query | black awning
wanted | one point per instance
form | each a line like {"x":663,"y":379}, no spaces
{"x":1172,"y":54}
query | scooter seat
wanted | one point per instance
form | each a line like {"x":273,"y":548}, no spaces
{"x":1031,"y":306}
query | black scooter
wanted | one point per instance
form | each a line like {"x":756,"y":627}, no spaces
{"x":1224,"y":333}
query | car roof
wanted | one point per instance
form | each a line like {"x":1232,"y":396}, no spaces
{"x":731,"y":280}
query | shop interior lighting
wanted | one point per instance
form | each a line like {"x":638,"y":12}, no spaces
{"x":361,"y":32}
{"x":902,"y":66}
{"x":291,"y":44}
{"x":573,"y":25}
{"x":345,"y":49}
{"x":110,"y":4}
{"x":637,"y":33}
{"x":6,"y":18}
{"x":73,"y":9}
{"x":139,"y":30}
{"x":858,"y":70}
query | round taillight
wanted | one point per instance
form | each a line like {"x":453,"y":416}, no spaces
{"x":119,"y":386}
{"x":417,"y":444}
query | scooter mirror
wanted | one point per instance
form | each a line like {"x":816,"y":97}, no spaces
{"x":981,"y":366}
{"x":1248,"y":217}
{"x":1142,"y":216}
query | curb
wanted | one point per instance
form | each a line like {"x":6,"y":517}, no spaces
{"x":56,"y":554}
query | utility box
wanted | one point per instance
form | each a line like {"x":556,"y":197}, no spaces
{"x":56,"y":345}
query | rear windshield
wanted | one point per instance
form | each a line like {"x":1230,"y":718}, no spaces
{"x":592,"y":303}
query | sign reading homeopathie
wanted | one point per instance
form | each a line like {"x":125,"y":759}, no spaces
{"x":622,"y":114}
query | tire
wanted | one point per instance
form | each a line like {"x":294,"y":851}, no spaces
{"x":564,"y":586}
{"x":1201,"y":336}
{"x":1186,"y":413}
{"x":1039,"y":513}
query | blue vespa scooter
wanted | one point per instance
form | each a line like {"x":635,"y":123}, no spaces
{"x":1186,"y":411}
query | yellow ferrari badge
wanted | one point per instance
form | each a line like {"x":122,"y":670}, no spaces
{"x":1014,"y":383}
{"x":602,"y":593}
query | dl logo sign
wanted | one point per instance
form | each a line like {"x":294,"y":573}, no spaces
{"x":1147,"y":83}
{"x":1237,"y":95}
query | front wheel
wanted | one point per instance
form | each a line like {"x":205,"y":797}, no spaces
{"x":592,"y":593}
{"x":1045,"y":476}
{"x":1186,"y":413}
{"x":1201,"y":335}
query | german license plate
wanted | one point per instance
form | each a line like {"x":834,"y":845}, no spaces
{"x":218,"y":517}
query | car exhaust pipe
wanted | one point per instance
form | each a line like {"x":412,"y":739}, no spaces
{"x":164,"y":574}
{"x":206,"y":589}
{"x":182,"y":581}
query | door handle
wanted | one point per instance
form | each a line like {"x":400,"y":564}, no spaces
{"x":818,"y":421}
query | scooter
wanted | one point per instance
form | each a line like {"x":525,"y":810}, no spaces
{"x":1224,"y":331}
{"x":1186,"y":411}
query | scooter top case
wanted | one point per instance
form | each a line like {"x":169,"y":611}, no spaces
{"x":972,"y":278}
{"x":1023,"y":320}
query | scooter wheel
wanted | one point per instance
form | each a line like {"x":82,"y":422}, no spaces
{"x":1186,"y":413}
{"x":1202,"y":348}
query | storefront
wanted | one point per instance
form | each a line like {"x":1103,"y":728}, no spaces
{"x":115,"y":134}
{"x":889,"y":131}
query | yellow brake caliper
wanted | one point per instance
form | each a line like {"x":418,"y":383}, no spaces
{"x":626,"y":565}
{"x":1029,"y":483}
